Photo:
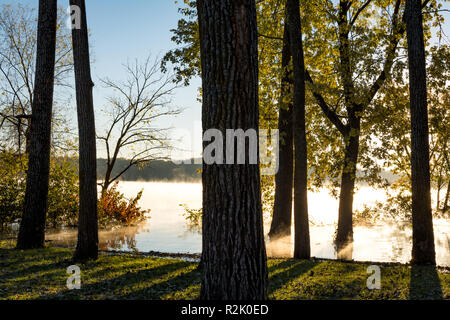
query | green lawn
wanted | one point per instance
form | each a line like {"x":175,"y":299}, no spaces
{"x":41,"y":274}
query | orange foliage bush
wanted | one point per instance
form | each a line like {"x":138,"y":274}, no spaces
{"x":115,"y":209}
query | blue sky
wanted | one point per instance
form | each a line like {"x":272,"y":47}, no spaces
{"x":123,"y":30}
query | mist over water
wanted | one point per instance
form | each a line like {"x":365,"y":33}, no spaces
{"x":166,"y":229}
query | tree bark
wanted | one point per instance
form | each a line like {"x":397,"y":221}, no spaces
{"x":423,"y":251}
{"x":301,"y":241}
{"x":87,"y":245}
{"x":282,"y":208}
{"x":234,"y":255}
{"x":348,"y":178}
{"x":32,"y":227}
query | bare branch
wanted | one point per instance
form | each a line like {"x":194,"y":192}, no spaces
{"x":330,"y":114}
{"x":134,"y":107}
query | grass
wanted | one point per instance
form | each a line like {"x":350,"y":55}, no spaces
{"x":41,"y":274}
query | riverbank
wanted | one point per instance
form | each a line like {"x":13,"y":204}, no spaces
{"x":41,"y":274}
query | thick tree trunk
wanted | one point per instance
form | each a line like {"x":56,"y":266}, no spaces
{"x":348,"y":178}
{"x":282,"y":208}
{"x":423,"y":238}
{"x":87,"y":245}
{"x":301,"y":239}
{"x":234,"y":256}
{"x":32,"y":226}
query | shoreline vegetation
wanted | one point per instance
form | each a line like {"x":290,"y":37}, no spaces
{"x":41,"y":274}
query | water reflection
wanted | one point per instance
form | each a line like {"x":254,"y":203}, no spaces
{"x":167,"y":231}
{"x":121,"y":238}
{"x":381,"y":243}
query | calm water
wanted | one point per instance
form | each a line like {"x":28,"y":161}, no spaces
{"x":166,"y":229}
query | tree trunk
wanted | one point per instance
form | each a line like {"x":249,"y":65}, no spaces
{"x":447,"y":197}
{"x":87,"y":245}
{"x":32,"y":226}
{"x":107,"y":181}
{"x":348,"y":178}
{"x":438,"y":195}
{"x":234,"y":255}
{"x":282,"y":208}
{"x":423,"y":239}
{"x":28,"y":130}
{"x":301,"y":241}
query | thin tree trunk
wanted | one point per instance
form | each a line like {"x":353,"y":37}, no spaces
{"x":348,"y":178}
{"x":234,"y":255}
{"x":351,"y":137}
{"x":438,"y":195}
{"x":301,"y":241}
{"x":423,"y":238}
{"x":28,"y":131}
{"x":87,"y":245}
{"x":282,"y":208}
{"x":447,"y":197}
{"x":32,"y":226}
{"x":106,"y":183}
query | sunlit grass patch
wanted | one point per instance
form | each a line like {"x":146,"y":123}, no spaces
{"x":41,"y":274}
{"x":348,"y":280}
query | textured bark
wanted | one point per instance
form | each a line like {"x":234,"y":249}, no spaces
{"x":87,"y":245}
{"x":234,"y":256}
{"x":32,"y":226}
{"x":301,"y":239}
{"x":423,"y":239}
{"x":282,"y":209}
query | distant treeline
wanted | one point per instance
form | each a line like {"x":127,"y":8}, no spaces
{"x":163,"y":170}
{"x":157,"y":170}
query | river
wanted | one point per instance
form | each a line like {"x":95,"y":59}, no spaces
{"x":166,"y":229}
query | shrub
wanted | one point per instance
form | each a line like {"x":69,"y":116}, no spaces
{"x":62,"y":193}
{"x":193,"y":217}
{"x":115,"y":209}
{"x":63,"y":198}
{"x":12,"y":189}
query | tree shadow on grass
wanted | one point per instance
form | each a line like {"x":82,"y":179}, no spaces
{"x":14,"y":255}
{"x":171,"y":286}
{"x":23,"y":264}
{"x":294,"y":269}
{"x":113,"y":288}
{"x":425,"y":283}
{"x":34,"y":270}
